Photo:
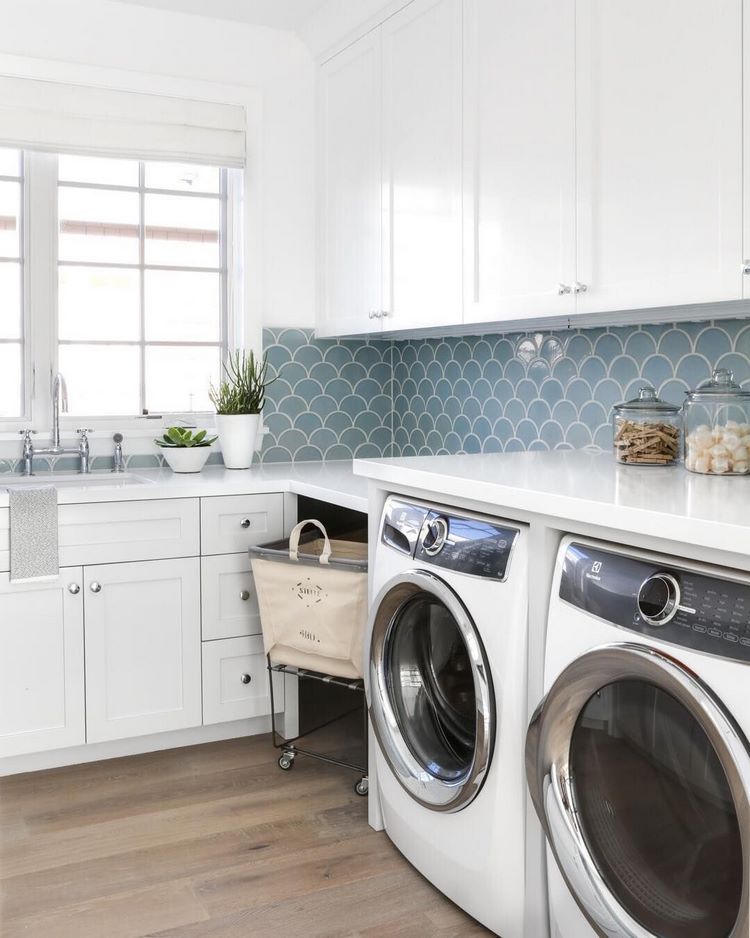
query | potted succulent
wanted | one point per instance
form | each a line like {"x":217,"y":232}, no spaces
{"x":184,"y":450}
{"x":239,"y":400}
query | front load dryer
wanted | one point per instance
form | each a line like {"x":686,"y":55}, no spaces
{"x":446,"y":689}
{"x":637,"y":758}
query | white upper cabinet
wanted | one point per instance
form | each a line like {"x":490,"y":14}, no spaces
{"x":350,"y":189}
{"x":422,"y":165}
{"x":659,"y":152}
{"x":519,"y":145}
{"x":746,"y":152}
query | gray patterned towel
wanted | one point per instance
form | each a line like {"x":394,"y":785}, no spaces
{"x":33,"y":534}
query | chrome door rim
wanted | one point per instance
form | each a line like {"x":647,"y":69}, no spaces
{"x":548,"y":770}
{"x":433,"y":793}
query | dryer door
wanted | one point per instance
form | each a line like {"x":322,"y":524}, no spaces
{"x":430,"y":693}
{"x":640,"y":778}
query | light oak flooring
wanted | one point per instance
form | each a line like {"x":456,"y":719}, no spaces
{"x":211,"y":841}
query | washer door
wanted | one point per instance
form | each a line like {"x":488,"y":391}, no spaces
{"x":640,"y":779}
{"x":430,"y":692}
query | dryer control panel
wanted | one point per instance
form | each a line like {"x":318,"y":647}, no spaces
{"x":705,"y":613}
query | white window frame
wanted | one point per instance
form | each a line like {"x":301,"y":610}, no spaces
{"x":40,"y":305}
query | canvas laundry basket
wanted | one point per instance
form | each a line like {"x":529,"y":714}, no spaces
{"x":312,"y":597}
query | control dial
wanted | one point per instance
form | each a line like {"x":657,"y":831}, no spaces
{"x":435,"y":536}
{"x":659,"y":599}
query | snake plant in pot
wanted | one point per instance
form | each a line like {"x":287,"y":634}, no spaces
{"x":239,"y":400}
{"x":184,"y":450}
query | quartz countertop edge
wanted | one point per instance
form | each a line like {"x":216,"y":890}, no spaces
{"x":591,"y":488}
{"x":332,"y":482}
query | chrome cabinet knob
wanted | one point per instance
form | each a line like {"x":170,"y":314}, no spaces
{"x":245,"y":678}
{"x":245,"y":523}
{"x":563,"y":288}
{"x":245,"y":595}
{"x":383,"y":313}
{"x":96,"y":587}
{"x":74,"y":588}
{"x":581,"y":287}
{"x":745,"y":270}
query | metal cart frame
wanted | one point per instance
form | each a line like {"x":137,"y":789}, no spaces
{"x":279,"y":551}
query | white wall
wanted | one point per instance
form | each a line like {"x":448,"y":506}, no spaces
{"x":270,"y":71}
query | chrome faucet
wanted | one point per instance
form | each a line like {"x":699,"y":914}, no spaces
{"x":59,"y":402}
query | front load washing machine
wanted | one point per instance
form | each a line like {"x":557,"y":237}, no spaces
{"x":446,"y":690}
{"x":637,"y":758}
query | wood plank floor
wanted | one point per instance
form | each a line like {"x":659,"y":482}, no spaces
{"x":210,"y":841}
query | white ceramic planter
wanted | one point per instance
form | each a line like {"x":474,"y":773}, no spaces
{"x":237,"y":433}
{"x":187,"y":458}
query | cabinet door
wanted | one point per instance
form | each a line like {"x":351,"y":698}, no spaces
{"x":659,"y":152}
{"x":519,"y":171}
{"x":350,"y":199}
{"x":422,"y":165}
{"x":41,"y":664}
{"x":143,"y":648}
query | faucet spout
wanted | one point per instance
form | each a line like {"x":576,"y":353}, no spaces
{"x":59,"y":402}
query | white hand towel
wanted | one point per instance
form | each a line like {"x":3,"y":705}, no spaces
{"x":33,"y":534}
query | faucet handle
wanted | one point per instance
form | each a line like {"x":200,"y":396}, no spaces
{"x":27,"y":434}
{"x":84,"y":431}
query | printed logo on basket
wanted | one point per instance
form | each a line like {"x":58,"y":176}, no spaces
{"x":310,"y":593}
{"x":309,"y":636}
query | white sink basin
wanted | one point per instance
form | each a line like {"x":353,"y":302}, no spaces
{"x":73,"y":480}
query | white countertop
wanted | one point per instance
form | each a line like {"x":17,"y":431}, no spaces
{"x":710,"y":511}
{"x":331,"y":482}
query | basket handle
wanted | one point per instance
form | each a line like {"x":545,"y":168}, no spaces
{"x":295,"y":536}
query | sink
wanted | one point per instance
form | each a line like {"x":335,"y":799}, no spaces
{"x":74,"y":480}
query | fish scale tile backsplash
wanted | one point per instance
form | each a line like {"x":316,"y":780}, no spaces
{"x":338,"y":398}
{"x":496,"y":393}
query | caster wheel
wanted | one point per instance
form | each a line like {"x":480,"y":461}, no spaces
{"x":362,"y":787}
{"x":286,"y":762}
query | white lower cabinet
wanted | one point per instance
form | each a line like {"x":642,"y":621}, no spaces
{"x":143,"y":632}
{"x":41,"y":664}
{"x":229,"y":604}
{"x":235,"y":681}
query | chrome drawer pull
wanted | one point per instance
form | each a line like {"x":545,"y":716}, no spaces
{"x":245,"y":678}
{"x":245,"y":523}
{"x":244,"y":595}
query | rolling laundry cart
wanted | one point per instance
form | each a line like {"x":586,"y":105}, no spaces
{"x":312,"y":596}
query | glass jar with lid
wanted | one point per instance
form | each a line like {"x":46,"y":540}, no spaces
{"x":717,"y":426}
{"x":647,"y":430}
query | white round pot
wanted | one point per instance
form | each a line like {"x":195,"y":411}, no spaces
{"x":186,"y":458}
{"x":237,"y":433}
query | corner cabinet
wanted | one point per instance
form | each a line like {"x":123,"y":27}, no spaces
{"x":41,"y":664}
{"x":536,"y":160}
{"x":389,"y":121}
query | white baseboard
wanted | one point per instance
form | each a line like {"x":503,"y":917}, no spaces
{"x":94,"y":752}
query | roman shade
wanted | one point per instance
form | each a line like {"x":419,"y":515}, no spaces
{"x":66,"y":118}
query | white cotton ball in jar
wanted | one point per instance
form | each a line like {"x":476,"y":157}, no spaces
{"x":703,"y":464}
{"x":720,"y":464}
{"x":701,"y":438}
{"x":719,"y":451}
{"x":740,"y":453}
{"x":740,"y":466}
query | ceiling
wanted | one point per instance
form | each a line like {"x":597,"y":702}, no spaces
{"x":278,"y":14}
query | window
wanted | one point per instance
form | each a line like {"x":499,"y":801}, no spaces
{"x":12,"y":384}
{"x":142,"y":284}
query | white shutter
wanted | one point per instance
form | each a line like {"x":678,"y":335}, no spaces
{"x":63,"y":118}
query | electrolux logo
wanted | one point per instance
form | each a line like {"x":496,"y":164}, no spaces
{"x":596,"y":566}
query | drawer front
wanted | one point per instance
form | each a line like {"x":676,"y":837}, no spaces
{"x":4,"y":540}
{"x":232,"y":523}
{"x":114,"y":532}
{"x":235,"y":681}
{"x":229,"y":604}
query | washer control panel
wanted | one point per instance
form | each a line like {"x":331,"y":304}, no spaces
{"x":470,"y":545}
{"x":705,"y":613}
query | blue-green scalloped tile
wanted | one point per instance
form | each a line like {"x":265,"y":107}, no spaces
{"x":607,"y":393}
{"x":308,"y":388}
{"x":623,"y":370}
{"x":593,"y":414}
{"x":370,"y":355}
{"x":578,"y":392}
{"x":526,"y":431}
{"x":453,"y":406}
{"x":657,"y":369}
{"x":309,"y":356}
{"x":443,"y":424}
{"x":491,"y":444}
{"x":551,"y":432}
{"x":503,"y":429}
{"x":640,"y":345}
{"x":381,"y":374}
{"x":514,"y":371}
{"x":603,"y":436}
{"x":472,"y":371}
{"x":578,"y":434}
{"x":713,"y":342}
{"x":592,"y":370}
{"x":462,"y":425}
{"x":564,"y":370}
{"x":425,"y":388}
{"x":276,"y":454}
{"x":739,"y":365}
{"x":551,"y":391}
{"x":453,"y":442}
{"x":492,"y":409}
{"x":503,"y":390}
{"x":538,"y":371}
{"x":381,"y":404}
{"x":408,"y":421}
{"x":472,"y":408}
{"x":453,"y":371}
{"x":674,"y":344}
{"x":308,"y":453}
{"x":578,"y":347}
{"x":338,"y":451}
{"x":564,"y":412}
{"x":693,"y":369}
{"x":514,"y":445}
{"x":608,"y":346}
{"x":308,"y":422}
{"x":515,"y":410}
{"x":417,"y":405}
{"x":539,"y":411}
{"x":434,"y":440}
{"x":526,"y":391}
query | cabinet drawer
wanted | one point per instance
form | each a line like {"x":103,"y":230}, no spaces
{"x":4,"y":539}
{"x":231,"y":523}
{"x":227,"y":692}
{"x":228,"y":600}
{"x":114,"y":532}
